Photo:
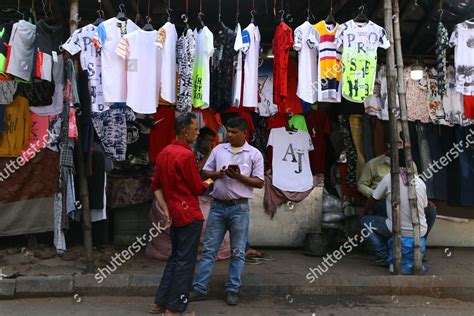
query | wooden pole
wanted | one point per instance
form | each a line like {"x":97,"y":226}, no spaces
{"x":394,"y":162}
{"x":81,"y":172}
{"x":406,"y":137}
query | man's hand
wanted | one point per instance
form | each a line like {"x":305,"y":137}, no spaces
{"x":233,"y":173}
{"x":167,"y":219}
{"x":209,"y":181}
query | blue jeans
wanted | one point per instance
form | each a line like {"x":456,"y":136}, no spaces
{"x":234,"y":219}
{"x":378,"y":238}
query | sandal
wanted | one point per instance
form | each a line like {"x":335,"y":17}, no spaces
{"x":253,"y":261}
{"x":156,"y":309}
{"x":262,"y":256}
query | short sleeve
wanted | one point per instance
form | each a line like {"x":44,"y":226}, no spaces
{"x":73,"y":44}
{"x":383,"y":39}
{"x":271,"y":138}
{"x":238,"y":44}
{"x":258,"y":166}
{"x":339,"y":40}
{"x":381,"y":189}
{"x":100,"y":36}
{"x":298,"y":39}
{"x":454,"y":37}
{"x":309,"y":141}
{"x":211,"y":163}
{"x":313,"y":39}
{"x":123,"y":48}
{"x":209,"y":43}
{"x":161,"y":38}
{"x":245,"y":41}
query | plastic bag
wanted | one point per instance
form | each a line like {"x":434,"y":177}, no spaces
{"x":408,"y":257}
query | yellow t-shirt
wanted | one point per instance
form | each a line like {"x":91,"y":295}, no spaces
{"x":16,"y":128}
{"x":236,"y":149}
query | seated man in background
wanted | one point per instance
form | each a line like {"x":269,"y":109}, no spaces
{"x":383,"y":224}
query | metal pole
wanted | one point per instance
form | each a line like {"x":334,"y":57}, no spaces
{"x":81,"y":172}
{"x":394,"y":162}
{"x":406,"y":138}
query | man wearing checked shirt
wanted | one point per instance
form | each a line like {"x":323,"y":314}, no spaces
{"x":237,"y":168}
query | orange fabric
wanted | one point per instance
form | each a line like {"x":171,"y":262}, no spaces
{"x":210,"y":121}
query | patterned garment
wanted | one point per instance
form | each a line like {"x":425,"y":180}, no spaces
{"x":417,"y":94}
{"x":442,"y":44}
{"x":185,"y":55}
{"x":223,"y":70}
{"x":351,"y":154}
{"x":7,"y":91}
{"x":111,"y":127}
{"x":435,"y":104}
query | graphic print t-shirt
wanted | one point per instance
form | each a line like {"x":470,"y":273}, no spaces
{"x":307,"y":62}
{"x":329,"y":70}
{"x":290,"y":162}
{"x":81,"y":41}
{"x":201,"y":70}
{"x":463,"y":41}
{"x":359,"y":58}
{"x":114,"y":68}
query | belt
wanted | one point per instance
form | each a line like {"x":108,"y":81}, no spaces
{"x":232,"y":202}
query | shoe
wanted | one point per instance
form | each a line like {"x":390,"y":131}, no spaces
{"x":156,"y":309}
{"x":231,"y":298}
{"x":196,"y":296}
{"x":379,"y":262}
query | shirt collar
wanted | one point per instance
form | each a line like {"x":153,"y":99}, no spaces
{"x":181,"y":143}
{"x":245,"y":147}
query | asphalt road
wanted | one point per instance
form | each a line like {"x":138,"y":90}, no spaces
{"x":289,"y":305}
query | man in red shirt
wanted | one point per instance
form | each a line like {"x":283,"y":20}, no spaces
{"x":177,"y":184}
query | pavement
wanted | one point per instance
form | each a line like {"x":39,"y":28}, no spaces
{"x":450,"y":275}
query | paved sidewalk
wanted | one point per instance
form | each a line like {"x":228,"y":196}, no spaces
{"x":451,"y":274}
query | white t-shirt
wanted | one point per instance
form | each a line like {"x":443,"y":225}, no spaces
{"x":81,"y":41}
{"x":142,"y":51}
{"x":290,"y":163}
{"x":237,"y":79}
{"x":168,"y":65}
{"x":304,"y":44}
{"x":251,"y":49}
{"x":201,"y":69}
{"x":384,"y":191}
{"x":114,"y":69}
{"x":462,"y":39}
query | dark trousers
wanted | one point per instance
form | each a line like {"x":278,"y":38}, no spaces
{"x":177,"y":280}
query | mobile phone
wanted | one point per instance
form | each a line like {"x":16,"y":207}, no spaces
{"x":234,"y":168}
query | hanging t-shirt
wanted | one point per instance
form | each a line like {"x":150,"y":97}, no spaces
{"x":185,"y":54}
{"x":162,"y":133}
{"x":237,"y":76}
{"x":282,"y":42}
{"x":453,"y":102}
{"x":201,"y":70}
{"x":143,"y":52}
{"x":266,"y":107}
{"x":81,"y":41}
{"x":298,"y":121}
{"x":463,"y":40}
{"x":251,"y":49}
{"x":39,"y":135}
{"x":290,"y":162}
{"x":329,"y":62}
{"x":16,"y":128}
{"x":442,"y":44}
{"x":292,"y":104}
{"x":307,"y":63}
{"x":114,"y":68}
{"x":416,"y":96}
{"x":168,"y":65}
{"x":434,"y":102}
{"x":5,"y":33}
{"x":359,"y":58}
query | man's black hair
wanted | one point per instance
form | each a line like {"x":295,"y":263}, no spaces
{"x":206,"y":131}
{"x":183,"y":121}
{"x":237,"y":122}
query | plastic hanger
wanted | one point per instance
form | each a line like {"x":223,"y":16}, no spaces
{"x":148,"y":26}
{"x":121,"y":14}
{"x":330,"y":19}
{"x":101,"y":14}
{"x":361,"y":17}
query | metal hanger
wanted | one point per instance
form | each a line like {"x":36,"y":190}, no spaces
{"x":148,"y":26}
{"x":201,"y":24}
{"x":252,"y":13}
{"x":361,"y":17}
{"x":121,"y":14}
{"x":219,"y":19}
{"x":310,"y":16}
{"x":330,"y":19}
{"x":237,"y":12}
{"x":17,"y":10}
{"x":168,"y":13}
{"x":184,"y":18}
{"x":101,"y":14}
